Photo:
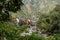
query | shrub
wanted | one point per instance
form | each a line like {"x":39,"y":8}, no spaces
{"x":57,"y":36}
{"x":10,"y":32}
{"x":50,"y":22}
{"x":32,"y":37}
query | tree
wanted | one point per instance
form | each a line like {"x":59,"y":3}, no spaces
{"x":5,"y":7}
{"x":8,"y":5}
{"x":55,"y":17}
{"x":50,"y":23}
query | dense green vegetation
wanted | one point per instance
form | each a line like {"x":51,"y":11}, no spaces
{"x":37,"y":37}
{"x":7,"y":6}
{"x":10,"y":32}
{"x":50,"y":22}
{"x":13,"y":33}
{"x":6,"y":31}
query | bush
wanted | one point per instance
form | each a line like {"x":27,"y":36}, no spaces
{"x":32,"y":37}
{"x":37,"y":37}
{"x":51,"y":38}
{"x":57,"y":36}
{"x":13,"y":33}
{"x":50,"y":22}
{"x":10,"y":32}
